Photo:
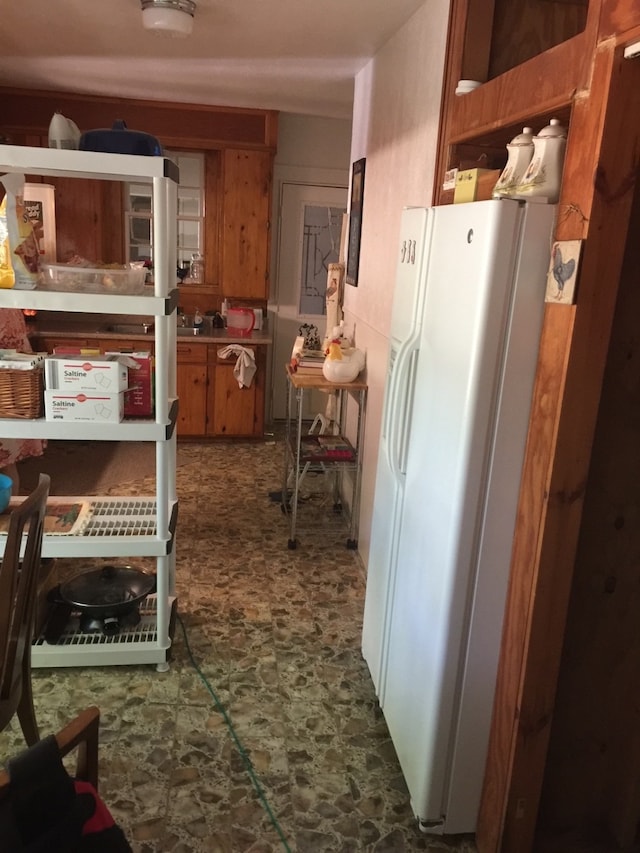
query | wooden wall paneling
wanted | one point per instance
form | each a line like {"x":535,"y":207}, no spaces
{"x":112,"y":222}
{"x":592,"y":776}
{"x":620,"y":16}
{"x":193,"y":125}
{"x":78,"y":230}
{"x":526,"y":28}
{"x":556,"y":466}
{"x":478,"y":38}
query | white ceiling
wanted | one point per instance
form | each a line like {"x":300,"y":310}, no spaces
{"x":292,"y":55}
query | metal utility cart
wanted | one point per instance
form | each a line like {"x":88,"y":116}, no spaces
{"x":125,"y":526}
{"x":323,"y":456}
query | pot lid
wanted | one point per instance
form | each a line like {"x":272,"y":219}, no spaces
{"x":108,"y":586}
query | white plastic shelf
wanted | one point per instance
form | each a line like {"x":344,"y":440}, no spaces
{"x":127,"y":430}
{"x":90,"y":303}
{"x":139,"y":644}
{"x":117,"y":526}
{"x":63,"y":163}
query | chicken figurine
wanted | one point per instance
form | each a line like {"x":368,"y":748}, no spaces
{"x":342,"y":364}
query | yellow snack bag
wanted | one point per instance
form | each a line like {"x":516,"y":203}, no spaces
{"x":19,"y":252}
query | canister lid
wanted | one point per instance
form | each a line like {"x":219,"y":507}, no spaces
{"x":524,"y":138}
{"x":554,"y":128}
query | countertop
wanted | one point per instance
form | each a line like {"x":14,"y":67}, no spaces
{"x":119,"y":327}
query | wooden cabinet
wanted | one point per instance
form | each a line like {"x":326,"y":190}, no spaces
{"x":192,"y":389}
{"x":247,"y":179}
{"x":238,"y":184}
{"x":43,"y":343}
{"x":590,"y":772}
{"x":235,"y":411}
{"x":212,"y":405}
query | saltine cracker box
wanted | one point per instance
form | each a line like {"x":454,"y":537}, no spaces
{"x":69,"y":405}
{"x":84,"y":388}
{"x":106,"y":374}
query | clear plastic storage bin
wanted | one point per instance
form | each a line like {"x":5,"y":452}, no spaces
{"x":68,"y":277}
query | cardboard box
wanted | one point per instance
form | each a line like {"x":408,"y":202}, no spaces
{"x":138,"y":398}
{"x":65,"y":405}
{"x":105,"y":374}
{"x":67,"y":350}
{"x":475,"y":184}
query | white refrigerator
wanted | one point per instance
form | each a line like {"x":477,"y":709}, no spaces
{"x":465,"y":331}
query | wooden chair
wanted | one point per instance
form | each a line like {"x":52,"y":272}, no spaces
{"x":44,"y":807}
{"x":81,"y":734}
{"x":18,"y":584}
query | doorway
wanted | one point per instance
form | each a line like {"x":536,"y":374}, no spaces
{"x":310,"y":227}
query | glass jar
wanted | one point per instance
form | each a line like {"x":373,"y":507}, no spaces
{"x":196,"y":268}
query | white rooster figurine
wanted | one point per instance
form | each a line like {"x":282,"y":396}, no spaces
{"x":342,"y":365}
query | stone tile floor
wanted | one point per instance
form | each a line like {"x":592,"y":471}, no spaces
{"x":307,"y":765}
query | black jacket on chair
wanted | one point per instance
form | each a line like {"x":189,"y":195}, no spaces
{"x":46,"y":811}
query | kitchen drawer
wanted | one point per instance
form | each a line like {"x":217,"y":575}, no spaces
{"x":46,"y":343}
{"x":124,"y":345}
{"x":214,"y":357}
{"x":191,"y":353}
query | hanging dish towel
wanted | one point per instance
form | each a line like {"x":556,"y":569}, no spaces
{"x":245,"y":366}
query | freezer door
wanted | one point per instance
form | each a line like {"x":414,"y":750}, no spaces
{"x":405,"y":329}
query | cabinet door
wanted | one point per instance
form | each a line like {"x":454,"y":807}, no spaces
{"x":247,"y":178}
{"x":235,"y":411}
{"x":192,"y":389}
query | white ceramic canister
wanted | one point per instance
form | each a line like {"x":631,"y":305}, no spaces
{"x":520,"y":153}
{"x":63,"y":133}
{"x":544,"y":174}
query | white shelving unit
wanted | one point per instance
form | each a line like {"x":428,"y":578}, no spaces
{"x":143,"y":526}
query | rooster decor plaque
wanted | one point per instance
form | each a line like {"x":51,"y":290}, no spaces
{"x":563,"y":271}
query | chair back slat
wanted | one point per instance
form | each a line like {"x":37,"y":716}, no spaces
{"x":18,"y":587}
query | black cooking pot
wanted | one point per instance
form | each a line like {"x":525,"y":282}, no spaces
{"x":108,"y":597}
{"x":120,"y":140}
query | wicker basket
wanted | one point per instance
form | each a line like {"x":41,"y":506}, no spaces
{"x":21,"y":393}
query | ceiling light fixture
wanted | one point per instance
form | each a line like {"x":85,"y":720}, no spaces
{"x":172,"y":18}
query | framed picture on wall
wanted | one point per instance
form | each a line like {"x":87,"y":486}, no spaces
{"x":355,"y":222}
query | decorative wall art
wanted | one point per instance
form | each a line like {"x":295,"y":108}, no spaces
{"x":355,"y":221}
{"x":563,"y":271}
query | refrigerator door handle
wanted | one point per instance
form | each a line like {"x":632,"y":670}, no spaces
{"x":399,"y":410}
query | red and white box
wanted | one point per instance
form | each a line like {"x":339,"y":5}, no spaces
{"x":138,"y":399}
{"x":104,"y":374}
{"x":65,"y":405}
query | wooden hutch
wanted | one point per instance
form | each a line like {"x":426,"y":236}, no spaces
{"x":563,"y":772}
